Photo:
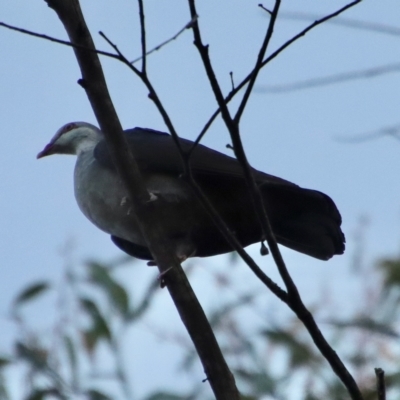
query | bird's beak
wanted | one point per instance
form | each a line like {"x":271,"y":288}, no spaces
{"x":48,"y":150}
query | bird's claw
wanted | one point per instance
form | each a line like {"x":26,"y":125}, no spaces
{"x":161,"y":275}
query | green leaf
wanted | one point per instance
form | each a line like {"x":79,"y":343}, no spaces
{"x":89,"y":306}
{"x":248,"y":397}
{"x":391,"y":270}
{"x":72,"y":359}
{"x":116,"y":293}
{"x":36,"y":356}
{"x":260,"y":382}
{"x":165,"y":396}
{"x":4,"y":362}
{"x":37,"y":394}
{"x":99,"y":328}
{"x":93,"y":394}
{"x":367,"y":323}
{"x":41,"y":394}
{"x":30,"y":293}
{"x":146,"y":301}
{"x":90,"y":339}
{"x":300,"y":353}
{"x":392,"y":379}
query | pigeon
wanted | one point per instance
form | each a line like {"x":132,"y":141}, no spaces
{"x":303,"y":220}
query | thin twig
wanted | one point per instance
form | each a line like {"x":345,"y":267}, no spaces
{"x":232,"y":81}
{"x":258,"y":65}
{"x":380,"y":383}
{"x":347,"y":22}
{"x":230,"y":238}
{"x":233,"y":128}
{"x":391,"y":131}
{"x":331,"y":79}
{"x":55,"y":40}
{"x":295,"y":302}
{"x":142,"y":35}
{"x":265,"y":9}
{"x":239,"y":87}
{"x":161,"y":45}
{"x":190,"y":310}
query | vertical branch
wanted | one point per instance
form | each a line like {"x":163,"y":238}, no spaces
{"x":218,"y":374}
{"x":185,"y":156}
{"x":259,"y":62}
{"x":143,"y":35}
{"x":380,"y":383}
{"x":294,"y":299}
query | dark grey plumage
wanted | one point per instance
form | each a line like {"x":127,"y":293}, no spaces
{"x":302,"y":219}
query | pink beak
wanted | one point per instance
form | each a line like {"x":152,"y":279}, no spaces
{"x":46,"y":151}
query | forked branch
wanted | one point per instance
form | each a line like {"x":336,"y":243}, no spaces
{"x":215,"y":367}
{"x":232,"y":124}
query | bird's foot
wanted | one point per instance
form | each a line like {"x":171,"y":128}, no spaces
{"x":161,"y":276}
{"x":153,"y":197}
{"x":264,"y":249}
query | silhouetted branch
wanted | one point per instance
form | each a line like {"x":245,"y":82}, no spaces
{"x":295,"y":302}
{"x":331,"y":79}
{"x":55,"y":40}
{"x":380,"y":383}
{"x":142,"y":36}
{"x":347,"y":22}
{"x":191,"y":313}
{"x":302,"y":33}
{"x":230,"y":238}
{"x":391,"y":131}
{"x":100,"y":52}
{"x":171,"y":39}
{"x":258,"y":65}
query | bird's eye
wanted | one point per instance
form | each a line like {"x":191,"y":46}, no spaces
{"x":68,"y":127}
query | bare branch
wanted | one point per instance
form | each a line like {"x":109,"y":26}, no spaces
{"x":230,"y":238}
{"x":295,"y":302}
{"x":217,"y":372}
{"x":265,"y":9}
{"x":258,"y":66}
{"x":380,"y":383}
{"x":347,"y":22}
{"x":142,"y":35}
{"x":391,"y":131}
{"x":331,"y":79}
{"x":55,"y":40}
{"x":232,"y":81}
{"x":302,"y":33}
{"x":307,"y":29}
{"x":161,"y":45}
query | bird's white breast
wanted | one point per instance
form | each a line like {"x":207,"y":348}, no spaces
{"x":103,"y":199}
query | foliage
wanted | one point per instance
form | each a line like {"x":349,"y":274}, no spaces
{"x":269,"y":360}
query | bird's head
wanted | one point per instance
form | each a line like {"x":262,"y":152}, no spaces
{"x":72,"y":138}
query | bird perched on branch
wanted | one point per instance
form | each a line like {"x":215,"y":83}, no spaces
{"x":302,"y":219}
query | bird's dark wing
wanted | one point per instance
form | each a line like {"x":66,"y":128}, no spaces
{"x":156,"y":151}
{"x":133,"y":249}
{"x":302,"y":219}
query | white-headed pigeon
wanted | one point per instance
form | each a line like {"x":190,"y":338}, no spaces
{"x":302,"y":219}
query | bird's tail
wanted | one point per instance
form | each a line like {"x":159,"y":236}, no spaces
{"x":304,"y":220}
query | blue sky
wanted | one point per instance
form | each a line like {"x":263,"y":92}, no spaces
{"x":292,"y":135}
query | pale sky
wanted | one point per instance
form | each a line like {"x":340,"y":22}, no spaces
{"x":291,"y":135}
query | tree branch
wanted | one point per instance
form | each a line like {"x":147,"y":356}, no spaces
{"x":302,"y":33}
{"x":165,"y":42}
{"x":93,"y":81}
{"x":258,"y":66}
{"x":367,"y":73}
{"x":55,"y":40}
{"x":295,"y":302}
{"x":380,"y":383}
{"x":228,"y":235}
